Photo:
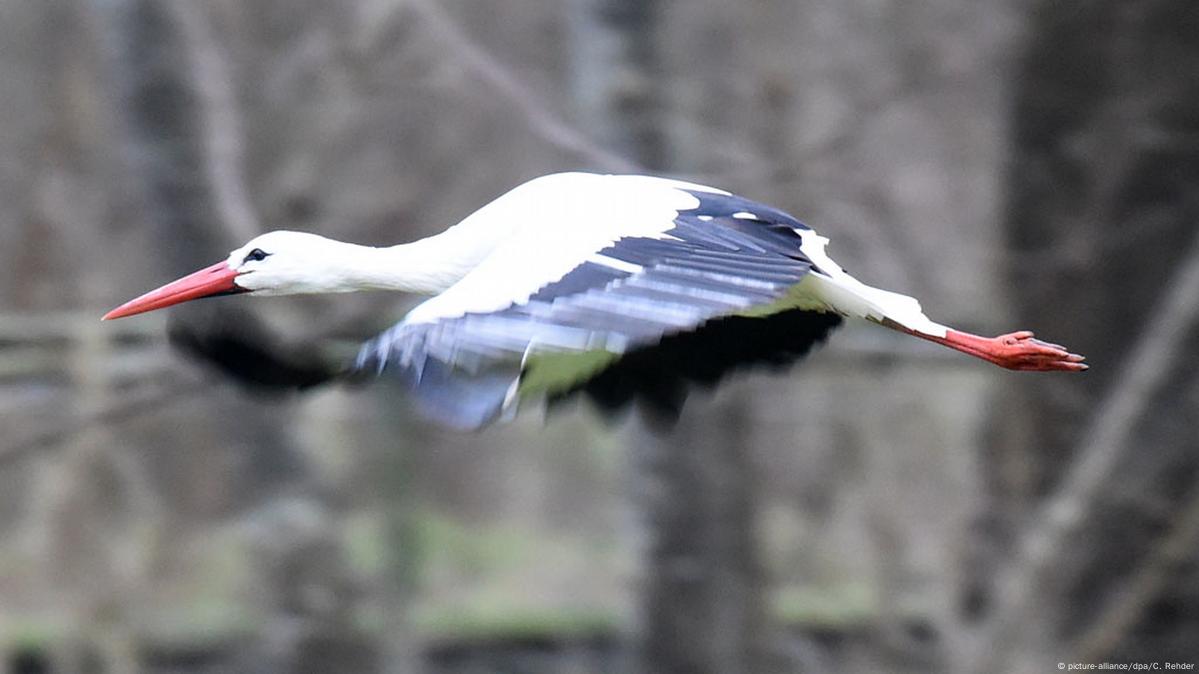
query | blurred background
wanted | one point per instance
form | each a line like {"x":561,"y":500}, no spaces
{"x":886,"y":506}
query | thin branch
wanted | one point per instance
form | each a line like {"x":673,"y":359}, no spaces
{"x":557,"y":132}
{"x":488,"y":68}
{"x":220,"y":120}
{"x":127,"y":410}
{"x":1122,"y":613}
{"x":1107,"y":438}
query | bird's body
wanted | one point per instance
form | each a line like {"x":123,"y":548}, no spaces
{"x":622,"y":287}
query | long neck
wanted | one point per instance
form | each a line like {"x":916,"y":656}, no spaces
{"x":427,"y":266}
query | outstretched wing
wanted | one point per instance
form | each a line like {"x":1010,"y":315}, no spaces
{"x":715,"y":287}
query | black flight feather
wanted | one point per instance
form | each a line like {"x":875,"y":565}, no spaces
{"x":670,"y":315}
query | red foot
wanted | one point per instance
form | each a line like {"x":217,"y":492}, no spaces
{"x":1015,"y":351}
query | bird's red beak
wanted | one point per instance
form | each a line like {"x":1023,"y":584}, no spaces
{"x":210,"y":281}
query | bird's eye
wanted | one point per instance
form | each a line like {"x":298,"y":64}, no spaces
{"x":257,"y":255}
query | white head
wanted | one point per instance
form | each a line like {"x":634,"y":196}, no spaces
{"x":275,"y":263}
{"x":295,"y":263}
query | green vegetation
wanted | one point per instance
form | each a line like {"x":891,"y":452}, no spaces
{"x":203,"y":620}
{"x":31,"y":634}
{"x":842,"y":605}
{"x":498,"y":621}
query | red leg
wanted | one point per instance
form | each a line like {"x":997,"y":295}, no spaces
{"x":1014,"y":351}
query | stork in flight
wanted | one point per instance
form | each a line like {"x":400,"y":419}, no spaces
{"x":622,"y":287}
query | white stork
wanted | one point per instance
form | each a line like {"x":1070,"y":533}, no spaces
{"x":620,"y":286}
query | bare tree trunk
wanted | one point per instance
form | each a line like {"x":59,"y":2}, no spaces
{"x":616,"y":77}
{"x":161,"y":118}
{"x":1044,"y":564}
{"x":703,"y":608}
{"x":179,"y":118}
{"x":703,"y":604}
{"x":1102,"y":219}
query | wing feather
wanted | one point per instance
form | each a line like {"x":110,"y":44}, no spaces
{"x":697,"y":277}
